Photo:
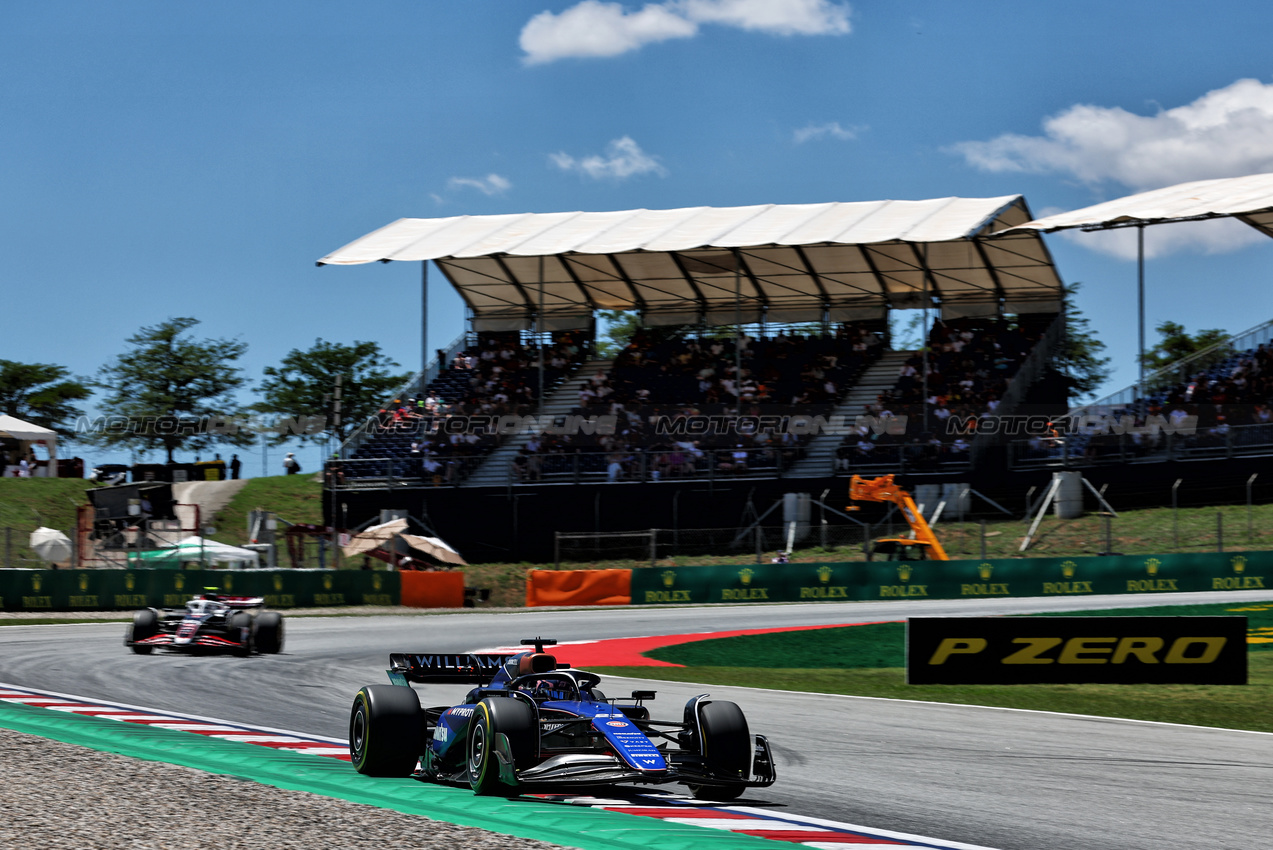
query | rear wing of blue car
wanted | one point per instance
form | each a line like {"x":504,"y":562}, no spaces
{"x":463,"y":669}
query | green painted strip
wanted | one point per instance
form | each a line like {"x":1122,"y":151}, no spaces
{"x":589,"y":829}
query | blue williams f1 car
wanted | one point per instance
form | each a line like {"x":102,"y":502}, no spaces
{"x":532,"y":723}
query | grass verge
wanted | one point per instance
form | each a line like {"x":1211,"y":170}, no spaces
{"x":295,"y":498}
{"x":867,"y":661}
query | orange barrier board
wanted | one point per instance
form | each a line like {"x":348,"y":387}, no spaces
{"x":432,"y":589}
{"x":576,"y":587}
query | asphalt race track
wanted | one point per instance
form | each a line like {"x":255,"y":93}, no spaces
{"x":1005,"y":779}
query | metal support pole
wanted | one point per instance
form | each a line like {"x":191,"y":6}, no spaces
{"x":654,"y":545}
{"x":1175,"y":516}
{"x":676,"y":523}
{"x":923,"y":345}
{"x":983,"y":540}
{"x":1047,"y":500}
{"x":1100,"y":494}
{"x":1140,"y":306}
{"x":1219,"y":531}
{"x":539,"y":334}
{"x":1109,"y":537}
{"x":758,"y":552}
{"x":424,"y":317}
{"x":738,"y":339}
{"x":822,"y":516}
{"x":1250,"y":522}
{"x":556,"y":550}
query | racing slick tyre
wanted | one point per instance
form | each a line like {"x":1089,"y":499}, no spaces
{"x":268,"y":634}
{"x":726,"y":749}
{"x":516,"y":720}
{"x":242,"y":620}
{"x":385,"y":730}
{"x":145,"y":624}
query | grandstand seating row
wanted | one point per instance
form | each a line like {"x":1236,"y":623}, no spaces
{"x":664,"y":374}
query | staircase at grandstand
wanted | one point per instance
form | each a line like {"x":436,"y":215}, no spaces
{"x":821,"y":455}
{"x":497,"y":468}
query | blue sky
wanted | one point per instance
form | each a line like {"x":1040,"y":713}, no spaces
{"x":164,"y":159}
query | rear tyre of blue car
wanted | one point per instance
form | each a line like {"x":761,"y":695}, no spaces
{"x":491,"y":717}
{"x":727,"y":749}
{"x":385,"y":731}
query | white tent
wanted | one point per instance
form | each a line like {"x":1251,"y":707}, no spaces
{"x":770,"y":262}
{"x":199,"y":549}
{"x":435,"y":547}
{"x":1249,"y":199}
{"x":27,"y":432}
{"x":374,"y":537}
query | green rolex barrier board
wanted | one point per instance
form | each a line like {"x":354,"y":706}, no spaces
{"x":95,"y":590}
{"x":798,"y":582}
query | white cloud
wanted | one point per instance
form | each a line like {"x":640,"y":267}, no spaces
{"x":624,"y":158}
{"x":491,"y":184}
{"x":832,"y":129}
{"x":593,"y":29}
{"x":1227,"y":132}
{"x":777,"y":17}
{"x":596,"y":29}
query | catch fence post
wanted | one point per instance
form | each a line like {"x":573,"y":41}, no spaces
{"x":1175,"y":516}
{"x":654,"y":545}
{"x":1219,"y":531}
{"x":8,"y":547}
{"x":983,"y":540}
{"x":758,"y":554}
{"x":1249,"y":520}
{"x":556,"y":550}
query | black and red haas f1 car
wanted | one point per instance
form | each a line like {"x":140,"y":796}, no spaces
{"x":532,"y":723}
{"x":209,"y":623}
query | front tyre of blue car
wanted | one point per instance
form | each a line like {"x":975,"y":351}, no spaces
{"x":385,"y":726}
{"x":516,"y":721}
{"x":727,"y":748}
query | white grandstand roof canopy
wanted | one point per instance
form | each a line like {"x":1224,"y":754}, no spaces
{"x":788,"y":262}
{"x":1248,"y":199}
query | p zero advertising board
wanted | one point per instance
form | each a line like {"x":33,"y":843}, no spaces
{"x":1076,"y":650}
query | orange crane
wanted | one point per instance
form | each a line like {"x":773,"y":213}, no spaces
{"x":922,"y":545}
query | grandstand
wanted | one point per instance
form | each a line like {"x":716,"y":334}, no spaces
{"x":1216,"y":403}
{"x":763,"y":366}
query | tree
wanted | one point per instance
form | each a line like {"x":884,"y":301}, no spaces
{"x":172,"y":392}
{"x":1177,"y":344}
{"x":621,"y":326}
{"x":1079,"y":355}
{"x":304,"y":382}
{"x":41,"y":393}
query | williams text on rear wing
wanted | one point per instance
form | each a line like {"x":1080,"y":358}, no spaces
{"x":461,"y":669}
